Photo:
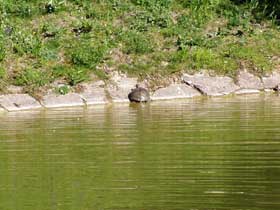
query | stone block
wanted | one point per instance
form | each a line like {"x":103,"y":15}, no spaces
{"x":175,"y":91}
{"x":17,"y":102}
{"x":120,"y":88}
{"x":272,"y":80}
{"x":211,"y":86}
{"x":94,"y":93}
{"x":246,"y":80}
{"x":68,"y":100}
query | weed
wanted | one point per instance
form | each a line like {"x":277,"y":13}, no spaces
{"x":32,"y":77}
{"x":2,"y":52}
{"x":26,"y":42}
{"x":135,"y":42}
{"x":253,"y":57}
{"x":18,"y":8}
{"x":3,"y":79}
{"x":63,"y":90}
{"x":84,"y":27}
{"x":152,"y":4}
{"x":72,"y":75}
{"x":3,"y":73}
{"x":49,"y":30}
{"x":86,"y":54}
{"x":49,"y":50}
{"x":77,"y":75}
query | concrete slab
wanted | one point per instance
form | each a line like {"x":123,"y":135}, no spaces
{"x":18,"y":102}
{"x":68,"y":100}
{"x":211,"y":86}
{"x":272,"y":80}
{"x":120,"y":88}
{"x":246,"y":80}
{"x":94,"y":93}
{"x":175,"y":91}
{"x":97,"y":96}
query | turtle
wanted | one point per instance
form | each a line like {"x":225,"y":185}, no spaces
{"x":139,"y":94}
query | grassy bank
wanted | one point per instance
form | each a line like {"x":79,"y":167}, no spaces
{"x":74,"y":40}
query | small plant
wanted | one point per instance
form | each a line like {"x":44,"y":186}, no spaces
{"x":21,"y":9}
{"x":26,"y":42}
{"x":137,"y":43}
{"x":2,"y":46}
{"x":253,"y":57}
{"x":31,"y":77}
{"x":2,"y":52}
{"x":3,"y":79}
{"x":192,"y":22}
{"x":84,"y":27}
{"x":3,"y":73}
{"x":77,"y":75}
{"x":49,"y":50}
{"x":87,"y":55}
{"x":49,"y":30}
{"x":144,"y":20}
{"x":72,"y":75}
{"x":153,"y":4}
{"x":63,"y":90}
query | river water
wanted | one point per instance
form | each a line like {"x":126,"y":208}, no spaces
{"x":197,"y":154}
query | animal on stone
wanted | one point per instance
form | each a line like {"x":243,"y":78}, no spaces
{"x":139,"y":94}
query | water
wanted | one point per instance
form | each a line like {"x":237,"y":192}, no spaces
{"x":203,"y":154}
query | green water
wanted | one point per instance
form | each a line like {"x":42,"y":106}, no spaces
{"x":204,"y":154}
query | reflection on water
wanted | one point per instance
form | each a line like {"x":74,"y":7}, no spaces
{"x":203,"y":154}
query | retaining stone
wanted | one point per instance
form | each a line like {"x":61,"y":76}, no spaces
{"x":246,"y":80}
{"x":175,"y":91}
{"x":94,"y":93}
{"x":272,"y":80}
{"x":18,"y":102}
{"x":211,"y":86}
{"x":56,"y":101}
{"x":120,"y":88}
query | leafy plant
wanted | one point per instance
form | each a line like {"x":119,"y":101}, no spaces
{"x":137,"y":43}
{"x":32,"y":77}
{"x":3,"y":73}
{"x":72,"y":75}
{"x":153,"y":4}
{"x":63,"y":90}
{"x":86,"y":54}
{"x":83,"y":27}
{"x":26,"y":42}
{"x":2,"y":52}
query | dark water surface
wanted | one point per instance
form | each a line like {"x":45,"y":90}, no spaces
{"x":204,"y":154}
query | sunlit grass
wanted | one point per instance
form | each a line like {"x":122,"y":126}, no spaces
{"x":68,"y":40}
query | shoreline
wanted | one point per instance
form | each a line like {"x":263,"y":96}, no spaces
{"x":98,"y":93}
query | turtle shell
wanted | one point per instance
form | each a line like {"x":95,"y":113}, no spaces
{"x":139,"y":95}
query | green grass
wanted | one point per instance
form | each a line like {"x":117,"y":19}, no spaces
{"x":69,"y":40}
